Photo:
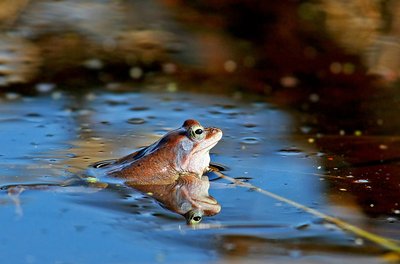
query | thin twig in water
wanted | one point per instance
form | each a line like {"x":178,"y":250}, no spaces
{"x":382,"y":241}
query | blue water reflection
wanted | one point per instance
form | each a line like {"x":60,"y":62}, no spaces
{"x":46,"y":140}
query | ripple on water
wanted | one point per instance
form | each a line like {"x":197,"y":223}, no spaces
{"x":290,"y":151}
{"x":116,"y":102}
{"x":136,"y":121}
{"x":227,"y":106}
{"x":249,"y":125}
{"x":34,"y":117}
{"x":139,"y":108}
{"x":250,"y":140}
{"x":226,"y":109}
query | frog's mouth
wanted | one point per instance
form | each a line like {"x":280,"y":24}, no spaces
{"x":212,"y":142}
{"x":207,"y":147}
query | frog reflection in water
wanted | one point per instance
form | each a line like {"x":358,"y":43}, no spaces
{"x":172,"y":169}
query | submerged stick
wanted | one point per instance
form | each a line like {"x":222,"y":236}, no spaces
{"x":382,"y":241}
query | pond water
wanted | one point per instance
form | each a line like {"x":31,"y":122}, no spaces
{"x":52,"y":136}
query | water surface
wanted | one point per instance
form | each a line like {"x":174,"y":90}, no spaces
{"x":50,"y":137}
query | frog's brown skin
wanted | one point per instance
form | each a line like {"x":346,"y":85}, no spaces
{"x":186,"y":195}
{"x":172,"y":170}
{"x":179,"y":152}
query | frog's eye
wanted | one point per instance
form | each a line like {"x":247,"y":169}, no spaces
{"x":197,"y":132}
{"x":194,"y":217}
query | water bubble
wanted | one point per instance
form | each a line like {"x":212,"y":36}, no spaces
{"x":290,"y":151}
{"x":33,"y":115}
{"x":249,"y":125}
{"x":136,"y":121}
{"x":250,"y":140}
{"x":139,"y":108}
{"x":116,"y":102}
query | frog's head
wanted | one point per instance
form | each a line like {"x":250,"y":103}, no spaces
{"x":192,"y":148}
{"x":191,"y":198}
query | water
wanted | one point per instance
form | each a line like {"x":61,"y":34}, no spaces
{"x":51,"y":137}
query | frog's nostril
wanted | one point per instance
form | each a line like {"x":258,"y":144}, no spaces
{"x":215,"y":130}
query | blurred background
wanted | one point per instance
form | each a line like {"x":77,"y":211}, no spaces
{"x":306,"y":92}
{"x":262,"y":47}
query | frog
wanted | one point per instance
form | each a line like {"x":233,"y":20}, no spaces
{"x":172,"y":170}
{"x":187,"y":196}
